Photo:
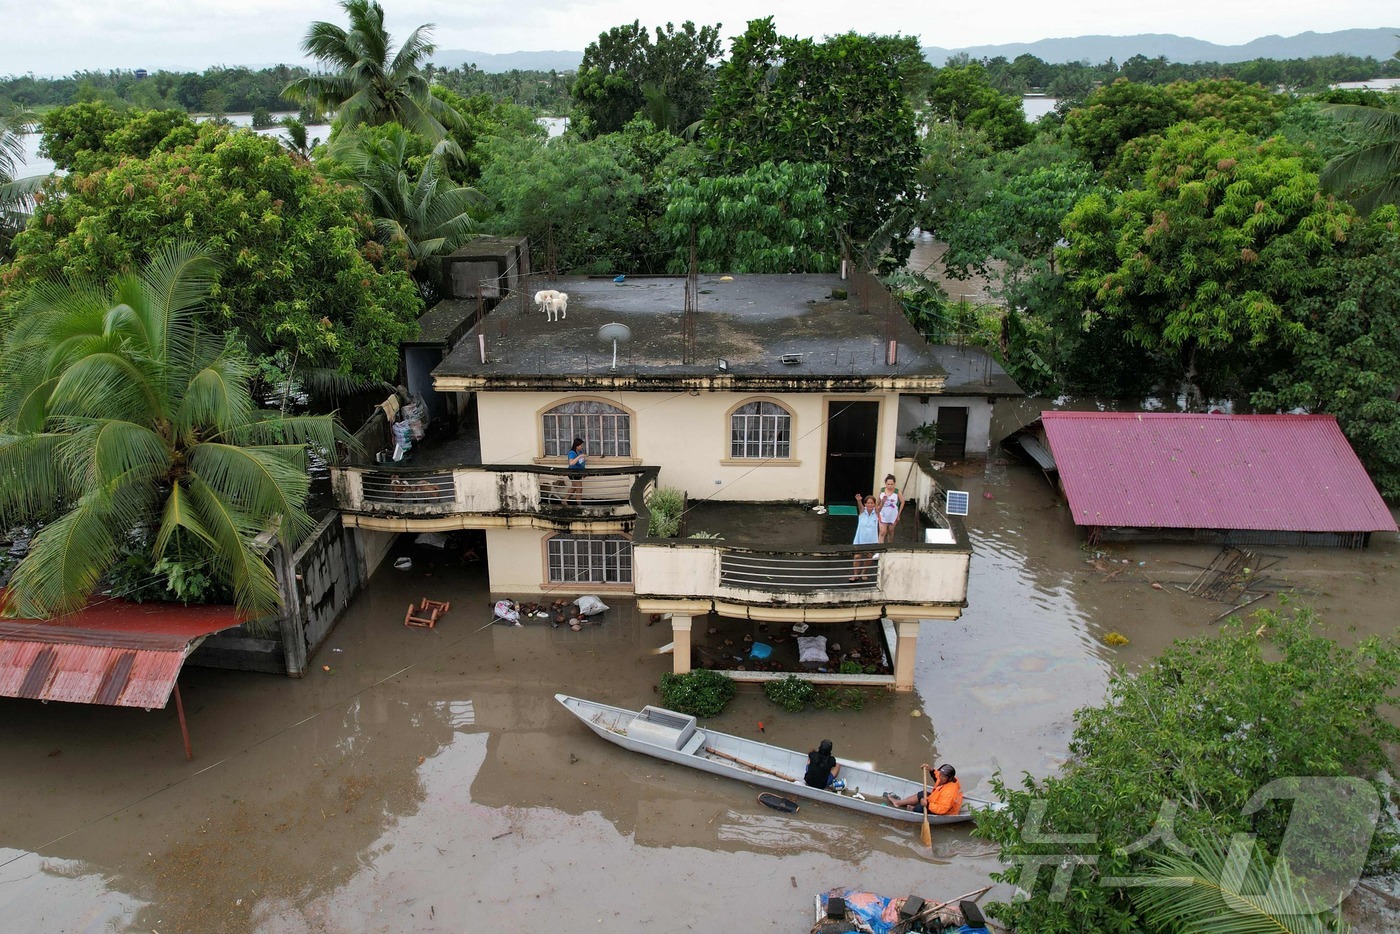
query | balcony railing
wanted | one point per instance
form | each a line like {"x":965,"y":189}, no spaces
{"x":767,"y":574}
{"x":491,"y":490}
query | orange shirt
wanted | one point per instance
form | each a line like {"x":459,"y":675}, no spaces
{"x":945,"y":798}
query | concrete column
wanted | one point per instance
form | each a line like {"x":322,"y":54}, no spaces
{"x":908,"y":641}
{"x":680,"y":655}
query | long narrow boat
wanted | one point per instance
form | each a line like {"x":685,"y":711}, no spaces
{"x":675,"y":737}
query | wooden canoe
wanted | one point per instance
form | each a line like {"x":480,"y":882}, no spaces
{"x":675,"y":737}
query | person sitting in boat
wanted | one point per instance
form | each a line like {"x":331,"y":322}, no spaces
{"x":822,"y":768}
{"x":945,"y":798}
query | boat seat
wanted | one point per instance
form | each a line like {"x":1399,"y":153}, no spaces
{"x":692,"y":745}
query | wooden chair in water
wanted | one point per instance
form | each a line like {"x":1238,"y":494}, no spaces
{"x":426,"y":614}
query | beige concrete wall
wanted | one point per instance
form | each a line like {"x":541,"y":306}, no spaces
{"x":687,"y":436}
{"x":515,"y":560}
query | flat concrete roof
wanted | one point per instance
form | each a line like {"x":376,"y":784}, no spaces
{"x":748,"y":321}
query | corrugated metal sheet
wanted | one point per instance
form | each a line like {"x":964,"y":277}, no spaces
{"x":115,"y":653}
{"x":1181,"y":471}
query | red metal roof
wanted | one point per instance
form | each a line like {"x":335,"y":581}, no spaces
{"x":1181,"y":471}
{"x":113,"y":652}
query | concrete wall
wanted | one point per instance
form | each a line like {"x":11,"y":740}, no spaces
{"x":515,"y":561}
{"x":913,"y":413}
{"x":687,"y":436}
{"x":318,"y":581}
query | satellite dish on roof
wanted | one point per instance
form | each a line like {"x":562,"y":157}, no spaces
{"x":618,"y":334}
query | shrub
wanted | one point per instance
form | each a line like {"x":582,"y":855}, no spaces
{"x":700,"y":693}
{"x":791,"y":693}
{"x":666,"y":505}
{"x":840,"y":699}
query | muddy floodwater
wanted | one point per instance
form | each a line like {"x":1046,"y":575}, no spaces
{"x":429,"y":782}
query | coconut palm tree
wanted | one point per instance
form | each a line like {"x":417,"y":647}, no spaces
{"x":1369,"y":175}
{"x":1214,"y":891}
{"x":370,"y":84}
{"x":124,"y":422}
{"x":425,"y":213}
{"x":16,"y":194}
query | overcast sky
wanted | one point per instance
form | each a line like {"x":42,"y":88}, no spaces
{"x":51,"y":37}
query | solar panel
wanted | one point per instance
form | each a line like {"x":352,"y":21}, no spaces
{"x":957,"y":503}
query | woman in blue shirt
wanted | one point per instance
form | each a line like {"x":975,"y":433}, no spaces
{"x":578,"y":460}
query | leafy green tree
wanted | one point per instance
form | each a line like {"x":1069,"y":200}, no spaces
{"x":370,"y":83}
{"x":1247,"y":108}
{"x":576,"y":195}
{"x":1347,"y":360}
{"x":418,"y":210}
{"x":482,"y":118}
{"x":771,"y":219}
{"x":1116,"y":113}
{"x":1368,"y":175}
{"x":964,"y":95}
{"x":123,"y":416}
{"x":843,"y":103}
{"x":300,"y":268}
{"x":84,"y":137}
{"x":623,"y":69}
{"x":1210,"y":722}
{"x":1203,"y":264}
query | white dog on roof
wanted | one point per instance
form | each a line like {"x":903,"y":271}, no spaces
{"x":554,"y":304}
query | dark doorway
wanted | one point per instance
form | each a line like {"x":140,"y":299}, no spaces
{"x":850,"y":450}
{"x":952,"y":433}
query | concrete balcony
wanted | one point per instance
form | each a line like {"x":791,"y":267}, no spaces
{"x":780,"y":562}
{"x":489,"y":496}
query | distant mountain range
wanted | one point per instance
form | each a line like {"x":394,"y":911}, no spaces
{"x":1377,"y":43}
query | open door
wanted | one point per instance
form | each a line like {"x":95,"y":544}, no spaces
{"x":952,"y":433}
{"x":851,"y":432}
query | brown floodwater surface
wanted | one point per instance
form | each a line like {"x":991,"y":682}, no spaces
{"x":429,"y":781}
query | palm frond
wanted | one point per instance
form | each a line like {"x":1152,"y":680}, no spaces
{"x":237,"y":559}
{"x":103,"y":452}
{"x":262,"y":482}
{"x":1226,"y":891}
{"x":32,"y":479}
{"x":68,"y":557}
{"x":179,"y":514}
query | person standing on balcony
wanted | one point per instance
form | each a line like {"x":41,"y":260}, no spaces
{"x":867,"y":533}
{"x":578,"y":460}
{"x":891,"y":508}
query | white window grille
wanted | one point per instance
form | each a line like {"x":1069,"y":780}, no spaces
{"x":605,"y":429}
{"x":760,"y":429}
{"x":589,"y":559}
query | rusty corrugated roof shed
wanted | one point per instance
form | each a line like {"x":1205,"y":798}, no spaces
{"x":113,"y":652}
{"x":1292,"y":473}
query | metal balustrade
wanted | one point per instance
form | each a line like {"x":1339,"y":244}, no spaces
{"x":792,"y":572}
{"x":486,"y":490}
{"x":385,"y":488}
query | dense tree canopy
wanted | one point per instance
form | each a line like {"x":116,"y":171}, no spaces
{"x":87,"y":135}
{"x":1201,"y":729}
{"x":964,"y":95}
{"x":624,"y":72}
{"x":1204,"y":265}
{"x":842,"y":103}
{"x":771,"y":219}
{"x":300,"y":269}
{"x":1348,"y":355}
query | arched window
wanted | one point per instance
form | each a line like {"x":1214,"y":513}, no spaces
{"x":589,"y":559}
{"x":760,"y":429}
{"x":605,"y":429}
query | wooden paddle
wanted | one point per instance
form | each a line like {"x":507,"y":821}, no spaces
{"x":925,"y":834}
{"x":749,"y":765}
